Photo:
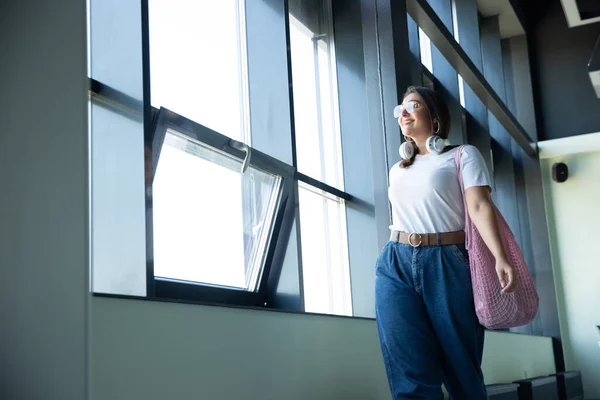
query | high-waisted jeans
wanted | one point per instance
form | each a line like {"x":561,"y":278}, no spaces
{"x":428,"y":328}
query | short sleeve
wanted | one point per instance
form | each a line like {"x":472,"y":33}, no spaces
{"x":474,"y":170}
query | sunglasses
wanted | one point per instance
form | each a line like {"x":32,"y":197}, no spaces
{"x":410,"y":106}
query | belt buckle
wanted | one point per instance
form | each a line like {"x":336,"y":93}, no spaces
{"x":410,"y":239}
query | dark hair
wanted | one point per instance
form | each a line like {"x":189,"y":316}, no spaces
{"x":438,"y":111}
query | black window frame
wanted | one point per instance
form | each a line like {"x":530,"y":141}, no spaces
{"x":284,"y":220}
{"x":286,"y":214}
{"x":164,"y":119}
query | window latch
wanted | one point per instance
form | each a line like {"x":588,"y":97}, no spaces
{"x":246,"y":149}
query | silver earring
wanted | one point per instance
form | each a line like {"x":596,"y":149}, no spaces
{"x":435,"y":121}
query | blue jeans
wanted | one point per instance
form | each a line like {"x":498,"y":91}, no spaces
{"x":428,"y":328}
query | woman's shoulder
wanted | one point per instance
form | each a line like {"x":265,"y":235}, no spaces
{"x":395,"y":167}
{"x":451,"y":150}
{"x":468,"y":150}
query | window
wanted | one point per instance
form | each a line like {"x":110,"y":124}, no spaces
{"x":198,"y":63}
{"x":219,"y":210}
{"x":461,"y":90}
{"x":325,"y":265}
{"x":212,"y":224}
{"x":455,"y":21}
{"x":316,"y":118}
{"x":461,"y":82}
{"x":215,"y":209}
{"x":425,"y":45}
{"x":194,"y":231}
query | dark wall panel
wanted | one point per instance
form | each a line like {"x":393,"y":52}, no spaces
{"x":477,"y":116}
{"x":445,"y":73}
{"x":566,"y":97}
{"x":503,"y":164}
{"x":362,"y":227}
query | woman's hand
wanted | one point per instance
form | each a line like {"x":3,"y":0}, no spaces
{"x":481,"y":211}
{"x":504,"y":270}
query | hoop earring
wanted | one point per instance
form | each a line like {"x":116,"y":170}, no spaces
{"x":435,"y":121}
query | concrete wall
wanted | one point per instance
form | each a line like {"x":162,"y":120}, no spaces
{"x":43,"y":200}
{"x":148,"y":350}
{"x":573,"y":220}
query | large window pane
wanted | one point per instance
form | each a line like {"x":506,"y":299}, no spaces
{"x":316,"y":110}
{"x":325,"y":268}
{"x":211,"y":222}
{"x":461,"y":82}
{"x":455,"y":22}
{"x":425,"y":45}
{"x":461,"y":90}
{"x":198,"y":62}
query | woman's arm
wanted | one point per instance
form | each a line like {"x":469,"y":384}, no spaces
{"x":481,"y":211}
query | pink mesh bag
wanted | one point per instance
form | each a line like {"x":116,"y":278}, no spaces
{"x":494,"y":309}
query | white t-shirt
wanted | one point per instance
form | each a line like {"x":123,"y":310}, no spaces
{"x":426,"y":196}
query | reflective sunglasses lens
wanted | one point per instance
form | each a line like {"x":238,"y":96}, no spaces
{"x":410,"y":107}
{"x":398,"y":111}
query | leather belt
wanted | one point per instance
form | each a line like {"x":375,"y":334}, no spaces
{"x":428,"y":239}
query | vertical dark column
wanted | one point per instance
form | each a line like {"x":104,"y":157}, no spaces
{"x":387,"y":74}
{"x":504,"y":175}
{"x":530,"y":196}
{"x":446,"y":75}
{"x":477,"y":115}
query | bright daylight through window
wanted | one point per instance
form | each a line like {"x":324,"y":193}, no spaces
{"x":325,"y":265}
{"x":461,"y":82}
{"x":198,"y":62}
{"x":200,"y":211}
{"x":211,"y":223}
{"x":425,"y":45}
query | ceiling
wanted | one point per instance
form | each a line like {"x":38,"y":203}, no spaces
{"x":507,"y":18}
{"x":577,"y":12}
{"x":581,"y":12}
{"x":588,"y":9}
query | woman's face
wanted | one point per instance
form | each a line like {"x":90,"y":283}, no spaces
{"x":414,"y":120}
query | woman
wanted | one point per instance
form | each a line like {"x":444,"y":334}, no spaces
{"x":428,"y":328}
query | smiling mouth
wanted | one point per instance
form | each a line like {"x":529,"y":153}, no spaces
{"x":408,"y":121}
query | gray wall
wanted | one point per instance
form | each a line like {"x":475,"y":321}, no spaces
{"x":573,"y":219}
{"x":154,"y":351}
{"x":43,"y":200}
{"x":566,"y":97}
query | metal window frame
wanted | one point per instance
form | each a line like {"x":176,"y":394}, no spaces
{"x":300,"y":177}
{"x":285,"y":217}
{"x":281,"y":146}
{"x":196,"y":291}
